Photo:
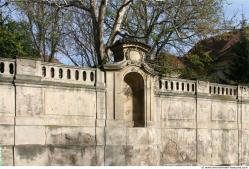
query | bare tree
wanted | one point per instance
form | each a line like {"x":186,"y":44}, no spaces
{"x":84,"y":30}
{"x":97,"y":12}
{"x":44,"y":24}
{"x":172,"y":23}
{"x":78,"y":41}
{"x":164,"y":25}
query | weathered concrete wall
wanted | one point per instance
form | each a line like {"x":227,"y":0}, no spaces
{"x":53,"y":114}
{"x":7,"y":113}
{"x":204,"y":125}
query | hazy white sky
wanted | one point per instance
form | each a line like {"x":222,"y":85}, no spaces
{"x":236,"y":7}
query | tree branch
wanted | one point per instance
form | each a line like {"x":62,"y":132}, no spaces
{"x":73,"y":3}
{"x":116,"y":27}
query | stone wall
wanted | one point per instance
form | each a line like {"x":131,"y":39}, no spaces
{"x":53,"y":114}
{"x":202,"y":126}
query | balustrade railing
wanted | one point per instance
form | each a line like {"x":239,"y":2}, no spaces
{"x":174,"y":85}
{"x":7,"y":67}
{"x":177,"y":85}
{"x":223,"y":90}
{"x":68,"y":74}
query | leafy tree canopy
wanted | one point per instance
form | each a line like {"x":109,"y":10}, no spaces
{"x":14,"y":40}
{"x":167,"y":64}
{"x":221,"y":59}
{"x":239,"y":69}
{"x":198,"y":66}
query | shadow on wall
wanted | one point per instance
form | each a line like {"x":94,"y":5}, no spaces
{"x":135,"y":92}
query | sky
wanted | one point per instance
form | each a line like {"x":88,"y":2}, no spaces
{"x":233,"y":7}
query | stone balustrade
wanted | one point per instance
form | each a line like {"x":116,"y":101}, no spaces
{"x":68,"y":74}
{"x":177,"y":85}
{"x":223,"y":90}
{"x":7,"y":67}
{"x":71,"y":74}
{"x":49,"y":71}
{"x":173,"y":85}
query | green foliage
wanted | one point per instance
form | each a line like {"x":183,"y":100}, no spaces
{"x":167,"y":64}
{"x":239,"y":69}
{"x":14,"y":40}
{"x":220,"y":59}
{"x":198,"y":66}
{"x":166,"y":67}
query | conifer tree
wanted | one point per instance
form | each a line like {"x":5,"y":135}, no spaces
{"x":239,"y":70}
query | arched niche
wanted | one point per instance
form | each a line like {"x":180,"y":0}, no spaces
{"x":134,"y":99}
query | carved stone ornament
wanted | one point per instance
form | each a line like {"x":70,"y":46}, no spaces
{"x":245,"y":92}
{"x":202,"y":87}
{"x":134,"y":55}
{"x":129,"y":50}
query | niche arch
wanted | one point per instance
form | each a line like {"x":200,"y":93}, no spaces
{"x":134,"y":99}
